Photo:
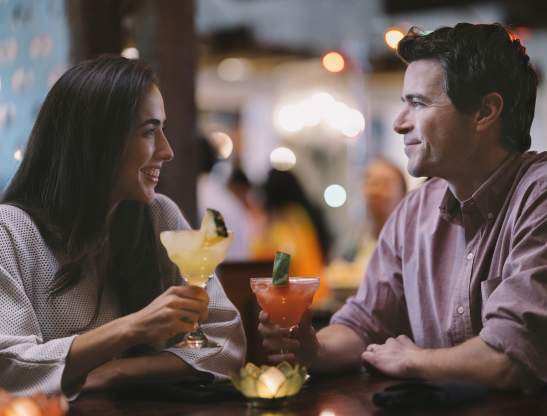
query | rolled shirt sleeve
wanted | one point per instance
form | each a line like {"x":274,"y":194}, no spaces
{"x":223,"y":326}
{"x":515,"y":310}
{"x":378,"y":310}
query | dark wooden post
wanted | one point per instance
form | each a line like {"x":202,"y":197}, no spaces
{"x":163,"y":31}
{"x":176,"y":48}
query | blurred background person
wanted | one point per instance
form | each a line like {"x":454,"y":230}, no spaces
{"x":384,"y":186}
{"x":226,"y":189}
{"x":294,"y":225}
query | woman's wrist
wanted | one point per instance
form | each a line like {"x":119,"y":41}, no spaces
{"x":130,"y":331}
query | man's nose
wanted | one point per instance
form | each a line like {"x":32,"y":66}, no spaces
{"x":402,"y":124}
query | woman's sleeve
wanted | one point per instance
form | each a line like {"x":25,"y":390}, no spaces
{"x":223,"y":325}
{"x":27,"y":363}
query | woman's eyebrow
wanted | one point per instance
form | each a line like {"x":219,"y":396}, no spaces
{"x":153,"y":121}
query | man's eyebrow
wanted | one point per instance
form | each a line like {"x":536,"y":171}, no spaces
{"x":410,"y":97}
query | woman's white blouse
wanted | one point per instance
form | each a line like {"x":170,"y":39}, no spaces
{"x":36,"y":331}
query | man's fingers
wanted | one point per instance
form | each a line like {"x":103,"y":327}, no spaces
{"x":279,"y":358}
{"x":263,"y":317}
{"x":280,"y":344}
{"x":272,"y":330}
{"x":405,"y":340}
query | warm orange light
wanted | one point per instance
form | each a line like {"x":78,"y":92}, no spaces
{"x":392,"y":37}
{"x":333,"y":62}
{"x":519,"y":33}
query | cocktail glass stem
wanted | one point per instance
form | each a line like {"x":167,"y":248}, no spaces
{"x":196,"y":338}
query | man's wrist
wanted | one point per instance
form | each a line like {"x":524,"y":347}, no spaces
{"x":419,"y":363}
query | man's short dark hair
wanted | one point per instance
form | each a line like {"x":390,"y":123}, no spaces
{"x":477,"y":60}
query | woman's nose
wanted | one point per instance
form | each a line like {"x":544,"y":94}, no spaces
{"x":164,"y":149}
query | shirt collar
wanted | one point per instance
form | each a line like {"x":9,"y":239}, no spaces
{"x":489,"y":197}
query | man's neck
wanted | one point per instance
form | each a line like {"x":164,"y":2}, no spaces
{"x":479,"y":170}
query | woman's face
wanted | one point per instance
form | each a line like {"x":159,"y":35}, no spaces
{"x":382,"y":189}
{"x":145,"y":152}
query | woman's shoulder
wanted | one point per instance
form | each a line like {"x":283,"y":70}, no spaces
{"x":19,"y":238}
{"x":15,"y":219}
{"x":167,"y":214}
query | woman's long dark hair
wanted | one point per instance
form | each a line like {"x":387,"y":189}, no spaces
{"x":66,"y":178}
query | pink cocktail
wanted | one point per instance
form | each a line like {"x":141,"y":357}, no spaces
{"x":285,"y":304}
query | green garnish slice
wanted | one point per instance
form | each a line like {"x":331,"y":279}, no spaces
{"x":280,"y":275}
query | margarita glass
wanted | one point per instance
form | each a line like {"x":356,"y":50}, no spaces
{"x":285,"y":304}
{"x":196,"y":256}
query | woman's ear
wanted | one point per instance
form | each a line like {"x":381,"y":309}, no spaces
{"x":489,"y":111}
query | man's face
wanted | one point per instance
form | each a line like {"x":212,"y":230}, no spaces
{"x":438,"y":138}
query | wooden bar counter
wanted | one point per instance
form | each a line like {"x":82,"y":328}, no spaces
{"x":341,"y":395}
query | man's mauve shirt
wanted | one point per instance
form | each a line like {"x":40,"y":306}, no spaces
{"x":445,"y":271}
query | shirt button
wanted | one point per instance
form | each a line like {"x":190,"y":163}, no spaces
{"x":460,"y":310}
{"x":470,"y":256}
{"x":490,"y":215}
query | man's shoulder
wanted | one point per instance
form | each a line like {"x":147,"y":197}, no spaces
{"x":534,"y":167}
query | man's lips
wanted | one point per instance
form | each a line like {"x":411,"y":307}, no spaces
{"x":151,"y":173}
{"x":411,"y":142}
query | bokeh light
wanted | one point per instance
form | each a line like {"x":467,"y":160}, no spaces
{"x":282,"y":158}
{"x":130,"y":53}
{"x":234,"y":69}
{"x":335,"y":195}
{"x":18,"y":155}
{"x":392,"y":37}
{"x":223,"y":144}
{"x":333,"y":62}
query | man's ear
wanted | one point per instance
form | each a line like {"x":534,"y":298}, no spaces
{"x":489,"y":111}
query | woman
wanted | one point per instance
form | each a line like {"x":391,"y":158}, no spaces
{"x":85,"y":286}
{"x":296,"y":226}
{"x":384,"y":186}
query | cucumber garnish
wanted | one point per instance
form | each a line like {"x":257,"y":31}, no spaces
{"x":280,"y":275}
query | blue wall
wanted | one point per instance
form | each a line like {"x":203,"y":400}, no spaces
{"x":34,"y":47}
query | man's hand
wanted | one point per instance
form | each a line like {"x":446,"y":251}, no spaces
{"x":281,"y":344}
{"x":397,"y":358}
{"x":401,"y":358}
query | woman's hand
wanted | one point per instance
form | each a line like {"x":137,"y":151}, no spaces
{"x":175,"y":311}
{"x":281,"y":344}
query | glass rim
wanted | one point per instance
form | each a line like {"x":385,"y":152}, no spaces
{"x":293,"y":279}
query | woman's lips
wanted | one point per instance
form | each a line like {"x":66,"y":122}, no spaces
{"x":152,"y":173}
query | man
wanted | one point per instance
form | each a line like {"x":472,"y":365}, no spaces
{"x":457,"y":288}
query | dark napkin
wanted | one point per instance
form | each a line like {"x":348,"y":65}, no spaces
{"x":423,"y":395}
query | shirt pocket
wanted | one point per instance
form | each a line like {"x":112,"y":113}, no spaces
{"x":488,"y":286}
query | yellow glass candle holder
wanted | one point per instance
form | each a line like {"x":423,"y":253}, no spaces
{"x":270,"y":386}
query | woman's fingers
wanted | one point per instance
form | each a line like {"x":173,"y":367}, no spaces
{"x":191,"y":292}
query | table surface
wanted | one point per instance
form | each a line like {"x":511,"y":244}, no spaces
{"x":349,"y":394}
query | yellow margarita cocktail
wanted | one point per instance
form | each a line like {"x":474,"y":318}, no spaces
{"x":197,"y":253}
{"x":196,"y":256}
